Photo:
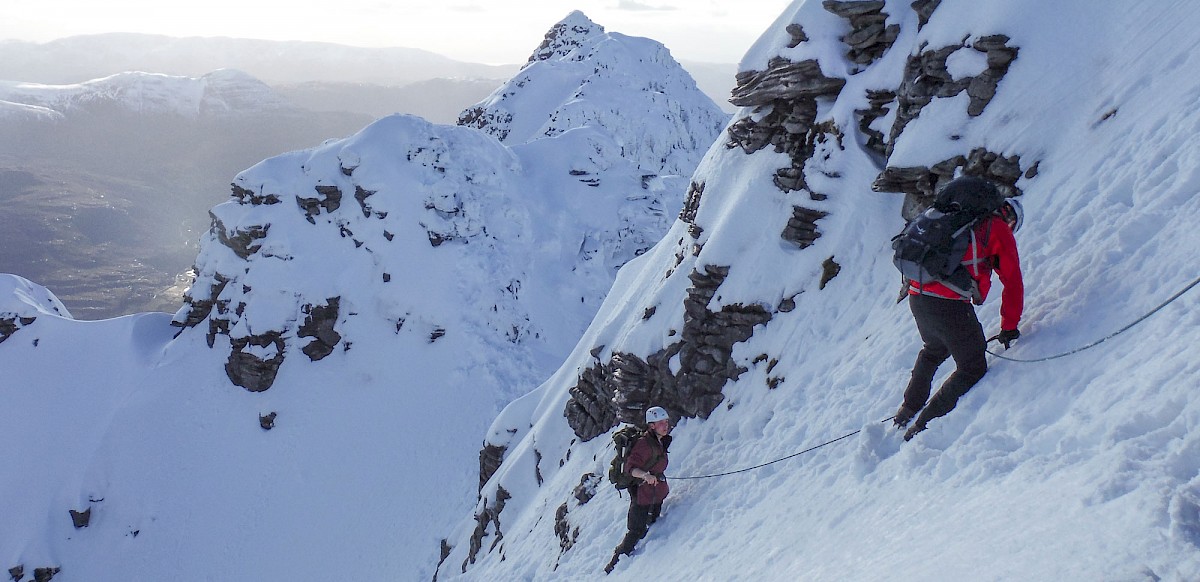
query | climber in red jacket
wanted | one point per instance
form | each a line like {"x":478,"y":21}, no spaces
{"x":948,"y":325}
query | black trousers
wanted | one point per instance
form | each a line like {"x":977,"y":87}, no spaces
{"x":949,"y":328}
{"x":638,"y":520}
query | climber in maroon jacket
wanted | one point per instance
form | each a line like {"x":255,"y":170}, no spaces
{"x":947,"y":322}
{"x":647,"y":462}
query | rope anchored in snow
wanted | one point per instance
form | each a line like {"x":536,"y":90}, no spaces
{"x":759,"y":466}
{"x":1109,"y":336}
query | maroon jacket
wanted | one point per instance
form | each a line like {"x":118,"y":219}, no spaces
{"x":648,"y":454}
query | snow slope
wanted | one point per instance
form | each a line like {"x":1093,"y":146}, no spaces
{"x":380,"y":298}
{"x":1081,"y":467}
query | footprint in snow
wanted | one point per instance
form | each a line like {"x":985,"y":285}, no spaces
{"x":876,"y":442}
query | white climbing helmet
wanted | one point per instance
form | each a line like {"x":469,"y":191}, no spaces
{"x":1013,"y":213}
{"x":655,"y":414}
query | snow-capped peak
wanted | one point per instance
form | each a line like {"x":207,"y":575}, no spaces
{"x":567,"y":35}
{"x":630,"y":87}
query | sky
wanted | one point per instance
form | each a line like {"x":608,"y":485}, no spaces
{"x":491,"y":31}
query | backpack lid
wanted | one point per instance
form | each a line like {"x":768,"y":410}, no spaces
{"x":972,"y":194}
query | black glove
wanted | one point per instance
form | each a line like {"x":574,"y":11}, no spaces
{"x":1006,"y":337}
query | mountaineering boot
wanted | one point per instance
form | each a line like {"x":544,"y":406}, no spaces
{"x":913,"y":430}
{"x":903,"y":416}
{"x":612,"y":563}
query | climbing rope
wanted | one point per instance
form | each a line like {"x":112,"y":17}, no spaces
{"x":1109,"y":336}
{"x":810,"y":449}
{"x":850,"y":434}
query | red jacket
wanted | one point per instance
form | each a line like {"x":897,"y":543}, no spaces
{"x":648,"y":454}
{"x":996,"y":249}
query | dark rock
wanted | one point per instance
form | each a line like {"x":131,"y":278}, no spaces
{"x":924,"y":10}
{"x":562,"y":528}
{"x":829,"y":270}
{"x":245,"y":196}
{"x":784,"y":80}
{"x":622,"y":389}
{"x":11,"y":322}
{"x":17,"y":572}
{"x":360,"y":196}
{"x":690,"y":205}
{"x":45,"y":574}
{"x":870,"y":36}
{"x":850,"y":9}
{"x":329,"y":198}
{"x":926,"y":77}
{"x":436,"y":334}
{"x":319,"y":324}
{"x":80,"y":519}
{"x":249,"y":370}
{"x":241,"y":242}
{"x":801,"y":228}
{"x":490,"y":458}
{"x":586,"y":489}
{"x":488,"y":516}
{"x":797,"y":33}
{"x":879,"y":107}
{"x":267,"y":422}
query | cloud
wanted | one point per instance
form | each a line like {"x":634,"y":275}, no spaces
{"x":637,"y":6}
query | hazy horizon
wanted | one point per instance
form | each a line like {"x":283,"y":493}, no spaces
{"x":500,"y":32}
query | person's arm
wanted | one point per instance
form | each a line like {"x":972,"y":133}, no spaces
{"x":639,"y":456}
{"x":1008,"y":269}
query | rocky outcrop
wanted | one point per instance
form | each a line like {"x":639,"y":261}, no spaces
{"x":11,"y":322}
{"x":254,"y":360}
{"x":870,"y":36}
{"x":926,"y":77}
{"x":919,"y":183}
{"x":319,"y":324}
{"x":489,"y":517}
{"x":621,"y":389}
{"x":790,"y":91}
{"x":46,"y":574}
{"x":924,"y":10}
{"x":490,"y":458}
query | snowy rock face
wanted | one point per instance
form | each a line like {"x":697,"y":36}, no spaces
{"x":215,"y":93}
{"x":765,"y":320}
{"x":521,"y":238}
{"x":22,"y":302}
{"x":576,"y":77}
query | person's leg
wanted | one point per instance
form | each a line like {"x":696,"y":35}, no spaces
{"x":638,"y":521}
{"x":968,"y":347}
{"x":928,"y":315}
{"x":655,"y":511}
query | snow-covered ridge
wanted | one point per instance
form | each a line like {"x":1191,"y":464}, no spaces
{"x":362,"y":309}
{"x":766,"y":322}
{"x":222,"y":91}
{"x":578,"y":76}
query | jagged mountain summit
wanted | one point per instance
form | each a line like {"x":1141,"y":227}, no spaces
{"x":223,"y":91}
{"x":361,"y":311}
{"x":578,"y":72}
{"x":766,"y":322}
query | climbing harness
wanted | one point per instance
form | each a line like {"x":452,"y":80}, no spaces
{"x":1109,"y":336}
{"x":810,"y":449}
